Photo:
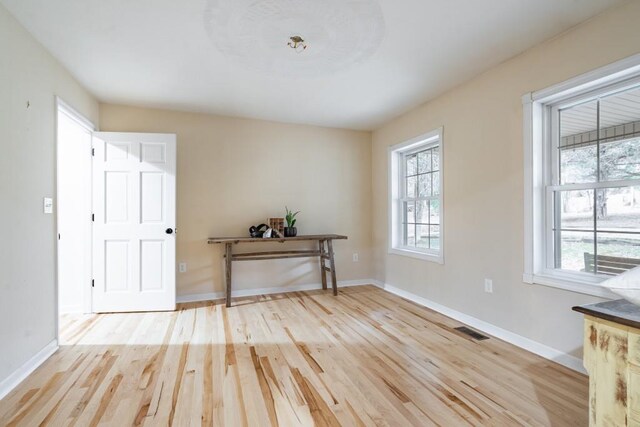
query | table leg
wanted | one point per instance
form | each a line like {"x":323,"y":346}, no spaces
{"x":228,"y":272}
{"x":323,"y":272}
{"x":332,"y":264}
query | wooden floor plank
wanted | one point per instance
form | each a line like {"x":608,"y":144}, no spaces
{"x":365,"y":358}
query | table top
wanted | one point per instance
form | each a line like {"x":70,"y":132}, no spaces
{"x":212,"y":240}
{"x":619,"y":311}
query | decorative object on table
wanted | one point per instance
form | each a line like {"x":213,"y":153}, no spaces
{"x":277,"y":224}
{"x":627,"y":285}
{"x":275,"y":234}
{"x":271,"y":233}
{"x":290,"y":230}
{"x":257,"y":230}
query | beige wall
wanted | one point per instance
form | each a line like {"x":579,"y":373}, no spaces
{"x":483,"y":185}
{"x":28,"y":74}
{"x":233,"y":173}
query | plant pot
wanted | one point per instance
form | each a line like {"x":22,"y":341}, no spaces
{"x":290,"y":231}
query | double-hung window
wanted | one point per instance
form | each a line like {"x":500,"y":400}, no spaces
{"x":416,"y":226}
{"x":583,"y":212}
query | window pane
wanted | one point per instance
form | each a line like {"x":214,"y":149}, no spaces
{"x":409,"y":212}
{"x":422,"y":212}
{"x":422,"y":238}
{"x":599,"y":140}
{"x":436,"y":183}
{"x":435,"y":236}
{"x":410,"y":235}
{"x":617,"y":252}
{"x":434,"y":212}
{"x":619,"y":209}
{"x":424,"y":185}
{"x":578,"y":143}
{"x":575,"y":250}
{"x":424,"y":161}
{"x":618,"y":219}
{"x":620,"y":107}
{"x":436,"y":158}
{"x":578,"y":165}
{"x":620,"y":159}
{"x":412,"y":165}
{"x":411,"y":187}
{"x":576,"y":210}
{"x":620,"y":135}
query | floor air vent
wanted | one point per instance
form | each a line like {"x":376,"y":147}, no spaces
{"x":473,"y":334}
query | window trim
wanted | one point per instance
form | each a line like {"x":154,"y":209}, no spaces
{"x":395,"y":153}
{"x":537,"y":169}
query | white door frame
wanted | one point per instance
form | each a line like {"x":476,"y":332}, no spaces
{"x":63,"y":107}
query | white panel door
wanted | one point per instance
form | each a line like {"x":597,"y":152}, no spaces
{"x":134,"y":203}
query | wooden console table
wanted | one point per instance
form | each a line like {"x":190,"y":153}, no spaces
{"x":255,"y":256}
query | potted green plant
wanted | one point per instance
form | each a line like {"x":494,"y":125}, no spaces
{"x":290,"y":230}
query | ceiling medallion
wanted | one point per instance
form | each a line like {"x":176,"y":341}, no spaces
{"x":251,"y":33}
{"x":297,"y":43}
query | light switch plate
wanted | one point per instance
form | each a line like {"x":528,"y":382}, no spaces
{"x":47,"y":205}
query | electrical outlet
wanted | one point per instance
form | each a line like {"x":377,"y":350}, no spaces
{"x":182,"y":267}
{"x":47,"y":205}
{"x":355,"y":257}
{"x":488,"y":286}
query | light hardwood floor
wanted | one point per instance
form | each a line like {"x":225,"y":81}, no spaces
{"x":363,"y":358}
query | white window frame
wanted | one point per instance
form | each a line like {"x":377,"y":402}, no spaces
{"x":539,"y":169}
{"x":396,"y":154}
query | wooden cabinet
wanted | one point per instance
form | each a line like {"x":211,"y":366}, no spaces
{"x":612,"y":359}
{"x":634,"y":391}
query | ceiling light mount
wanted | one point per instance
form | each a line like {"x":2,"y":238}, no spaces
{"x":297,"y":43}
{"x":263,"y":35}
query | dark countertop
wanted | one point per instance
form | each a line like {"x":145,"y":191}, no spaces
{"x":619,"y":311}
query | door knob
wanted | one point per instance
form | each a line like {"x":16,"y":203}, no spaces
{"x":169,"y":231}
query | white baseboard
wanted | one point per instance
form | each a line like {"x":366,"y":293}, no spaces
{"x":272,"y":290}
{"x":535,"y":347}
{"x":25,"y":370}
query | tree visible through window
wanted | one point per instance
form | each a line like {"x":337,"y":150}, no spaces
{"x":596,"y":189}
{"x":415,"y":197}
{"x":421,"y":199}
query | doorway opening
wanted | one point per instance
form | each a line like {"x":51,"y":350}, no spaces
{"x":116,"y":215}
{"x":74,"y":189}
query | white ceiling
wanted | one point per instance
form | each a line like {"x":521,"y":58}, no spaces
{"x":166,"y":54}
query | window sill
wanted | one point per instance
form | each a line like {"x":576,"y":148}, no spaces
{"x":569,"y":284}
{"x":418,"y":255}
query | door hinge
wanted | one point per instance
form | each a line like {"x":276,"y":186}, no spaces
{"x":93,"y":283}
{"x":93,"y":151}
{"x":58,"y":236}
{"x":93,"y":217}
